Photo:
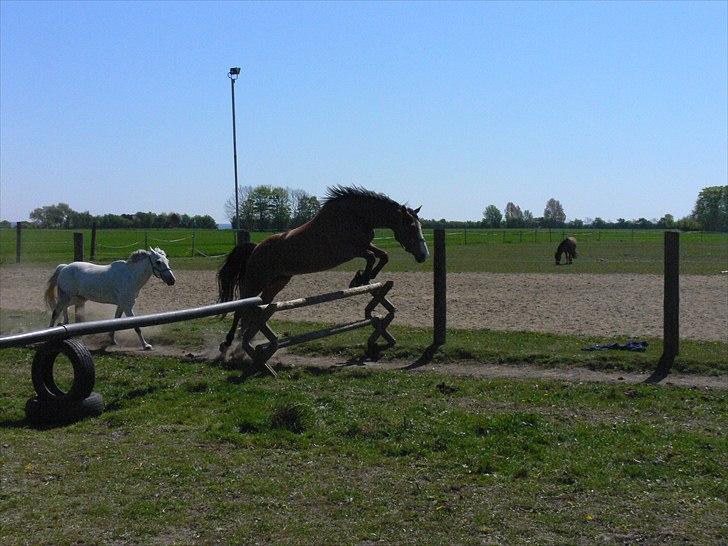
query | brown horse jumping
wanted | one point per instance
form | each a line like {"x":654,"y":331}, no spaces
{"x":342,"y":230}
{"x":567,"y":247}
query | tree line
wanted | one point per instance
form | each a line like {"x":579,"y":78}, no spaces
{"x":710,"y":214}
{"x":62,"y":216}
{"x":275,"y":208}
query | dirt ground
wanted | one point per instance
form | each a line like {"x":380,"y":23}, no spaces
{"x":599,"y":305}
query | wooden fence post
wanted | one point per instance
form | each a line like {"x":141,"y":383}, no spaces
{"x":192,"y":252}
{"x":671,"y":308}
{"x":242,"y":236}
{"x":78,"y":247}
{"x":93,"y":241}
{"x":440,"y":289}
{"x":18,"y":229}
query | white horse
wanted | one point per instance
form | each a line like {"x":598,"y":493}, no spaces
{"x":117,"y":283}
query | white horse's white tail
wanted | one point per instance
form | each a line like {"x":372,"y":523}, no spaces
{"x":50,"y":293}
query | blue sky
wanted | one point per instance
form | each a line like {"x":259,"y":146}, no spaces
{"x":616,"y":109}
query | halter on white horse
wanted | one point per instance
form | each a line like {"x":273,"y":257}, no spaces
{"x":117,"y":283}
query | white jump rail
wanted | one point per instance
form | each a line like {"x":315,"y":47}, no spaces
{"x":58,"y":333}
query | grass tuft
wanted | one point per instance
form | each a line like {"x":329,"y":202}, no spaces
{"x":291,"y":416}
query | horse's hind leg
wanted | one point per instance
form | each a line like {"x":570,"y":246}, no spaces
{"x":253,"y":291}
{"x":231,"y":333}
{"x":81,"y":311}
{"x":269,"y":292}
{"x":145,"y":346}
{"x":61,"y":308}
{"x":112,"y":338}
{"x":278,"y":284}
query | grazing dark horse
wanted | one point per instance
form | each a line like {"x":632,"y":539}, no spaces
{"x":567,"y":247}
{"x":342,"y":230}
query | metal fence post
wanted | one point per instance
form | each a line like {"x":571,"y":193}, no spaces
{"x":439,"y":289}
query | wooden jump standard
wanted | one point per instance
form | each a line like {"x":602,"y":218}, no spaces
{"x":260,"y":352}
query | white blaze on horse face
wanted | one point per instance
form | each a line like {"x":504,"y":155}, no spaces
{"x":160,"y":266}
{"x":424,"y":253}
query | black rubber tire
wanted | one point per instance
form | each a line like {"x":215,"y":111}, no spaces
{"x":51,"y":412}
{"x":84,"y":375}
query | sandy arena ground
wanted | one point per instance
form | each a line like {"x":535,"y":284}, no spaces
{"x":600,"y":305}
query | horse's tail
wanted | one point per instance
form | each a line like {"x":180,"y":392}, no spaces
{"x":50,"y":293}
{"x":233,"y":271}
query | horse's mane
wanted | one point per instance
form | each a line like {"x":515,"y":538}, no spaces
{"x":137,"y":256}
{"x":338,"y":193}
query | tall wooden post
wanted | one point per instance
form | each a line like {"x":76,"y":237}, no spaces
{"x":440,"y":289}
{"x":192,"y":252}
{"x":93,"y":241}
{"x":242,"y":236}
{"x":18,"y":238}
{"x":671,"y":307}
{"x":78,"y":247}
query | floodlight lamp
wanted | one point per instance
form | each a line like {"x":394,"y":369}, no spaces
{"x":234,"y":73}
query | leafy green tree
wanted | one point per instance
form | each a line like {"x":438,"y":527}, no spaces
{"x":688,"y":224}
{"x":513,"y":215}
{"x":711,"y":208}
{"x":51,"y":216}
{"x":204,"y":222}
{"x":246,"y":210}
{"x":666,"y":222}
{"x":492,"y":217}
{"x":305,"y":207}
{"x":553,"y":214}
{"x":280,"y":208}
{"x":528,"y":219}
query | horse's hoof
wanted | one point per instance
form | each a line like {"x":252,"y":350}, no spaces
{"x":147,"y":347}
{"x":224,"y":346}
{"x":112,"y":341}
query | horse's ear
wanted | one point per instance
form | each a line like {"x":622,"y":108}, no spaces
{"x":417,"y":210}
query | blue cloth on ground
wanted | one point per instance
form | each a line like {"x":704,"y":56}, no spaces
{"x":637,"y":346}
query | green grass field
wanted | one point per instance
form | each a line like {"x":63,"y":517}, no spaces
{"x":501,"y":251}
{"x":187,"y":453}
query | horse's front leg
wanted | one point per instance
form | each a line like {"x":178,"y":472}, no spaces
{"x":383,"y":259}
{"x":145,"y":346}
{"x":112,"y":334}
{"x":371,"y":254}
{"x":362,"y":277}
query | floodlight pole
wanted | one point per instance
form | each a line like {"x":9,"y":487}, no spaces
{"x":233,"y":75}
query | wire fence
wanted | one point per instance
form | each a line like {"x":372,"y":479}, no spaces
{"x":497,"y":250}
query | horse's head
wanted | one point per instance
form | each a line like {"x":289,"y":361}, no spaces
{"x":408,"y":233}
{"x":160,"y":265}
{"x":557,"y":257}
